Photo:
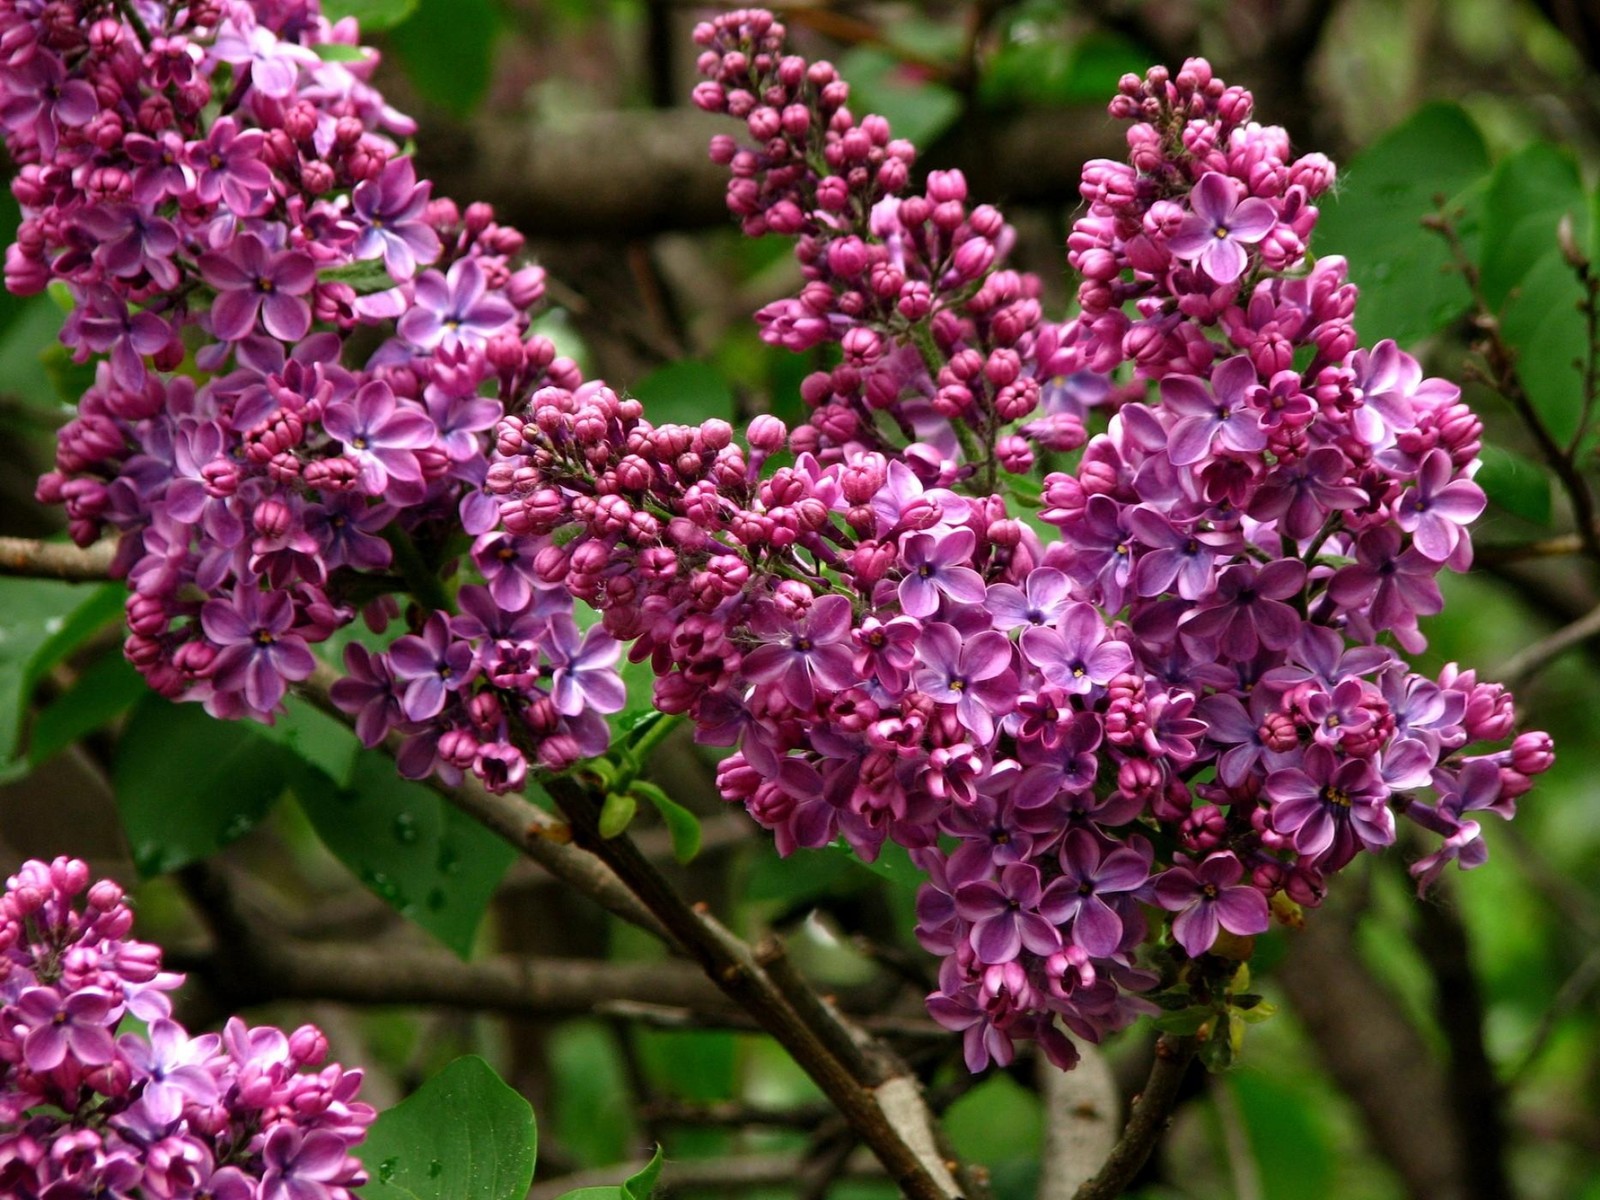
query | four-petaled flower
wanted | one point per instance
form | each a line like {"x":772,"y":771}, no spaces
{"x":1208,"y":896}
{"x":1220,"y":225}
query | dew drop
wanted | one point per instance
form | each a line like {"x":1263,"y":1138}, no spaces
{"x":405,"y":829}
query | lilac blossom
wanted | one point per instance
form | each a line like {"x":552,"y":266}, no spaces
{"x":1331,"y":808}
{"x":585,"y":677}
{"x":388,"y":211}
{"x":1220,"y":226}
{"x":814,"y":649}
{"x":109,"y":1115}
{"x":934,"y":568}
{"x":1078,"y":654}
{"x":1435,"y":510}
{"x":454,"y":309}
{"x":1209,"y":897}
{"x":1090,"y":875}
{"x":1004,"y":915}
{"x":1221,"y":414}
{"x":253,"y":281}
{"x":381,"y":436}
{"x":260,"y":654}
{"x":975,"y":676}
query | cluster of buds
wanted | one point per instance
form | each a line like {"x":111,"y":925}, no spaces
{"x":89,"y":1107}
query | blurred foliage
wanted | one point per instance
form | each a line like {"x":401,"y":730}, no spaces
{"x":1478,"y":110}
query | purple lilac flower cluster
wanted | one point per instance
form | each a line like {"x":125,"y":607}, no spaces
{"x":941,"y":348}
{"x":153,"y":1114}
{"x":298,"y":354}
{"x":1108,"y":747}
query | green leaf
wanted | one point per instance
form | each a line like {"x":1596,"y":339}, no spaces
{"x":187,"y":784}
{"x":636,"y":1187}
{"x":684,"y":393}
{"x":1186,"y":1020}
{"x":372,"y":14}
{"x":880,"y":83}
{"x":1042,"y":71}
{"x":41,"y":622}
{"x":107,"y":688}
{"x":1287,"y":1138}
{"x":1516,"y":484}
{"x":682,"y":825}
{"x":365,"y":277}
{"x":22,"y":369}
{"x":313,"y":736}
{"x":463,"y":1135}
{"x":447,"y":49}
{"x":1543,"y":325}
{"x":892,"y":863}
{"x":339,"y":52}
{"x":1528,"y":195}
{"x":1525,"y":278}
{"x":434,"y":865}
{"x":1373,"y":217}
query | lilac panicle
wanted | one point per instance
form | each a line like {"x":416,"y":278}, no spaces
{"x":1202,"y":635}
{"x":1198,"y":645}
{"x":260,"y":487}
{"x":88,"y":1111}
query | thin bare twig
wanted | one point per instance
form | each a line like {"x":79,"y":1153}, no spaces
{"x":1501,"y":360}
{"x":1146,"y":1121}
{"x":1530,"y":660}
{"x":30,"y":558}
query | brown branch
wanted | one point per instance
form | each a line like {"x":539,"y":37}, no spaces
{"x":1501,"y":359}
{"x":891,"y":1117}
{"x":1375,"y":1054}
{"x":29,"y":558}
{"x":1530,"y":660}
{"x":1472,"y":1090}
{"x":1147,"y":1120}
{"x":620,"y":175}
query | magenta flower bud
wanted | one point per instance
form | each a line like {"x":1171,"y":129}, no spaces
{"x":1002,"y":367}
{"x":916,"y":300}
{"x":946,"y":186}
{"x":709,"y":97}
{"x":272,"y":518}
{"x":1533,"y":753}
{"x":847,"y":257}
{"x":973,"y":257}
{"x":767,"y":434}
{"x":1014,"y":454}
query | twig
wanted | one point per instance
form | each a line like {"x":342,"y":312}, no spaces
{"x":266,"y":967}
{"x":1502,"y":362}
{"x":1473,"y":1091}
{"x":1577,"y":989}
{"x":1556,"y":547}
{"x":1530,"y":660}
{"x":891,"y":1118}
{"x":1146,"y":1121}
{"x":30,"y":558}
